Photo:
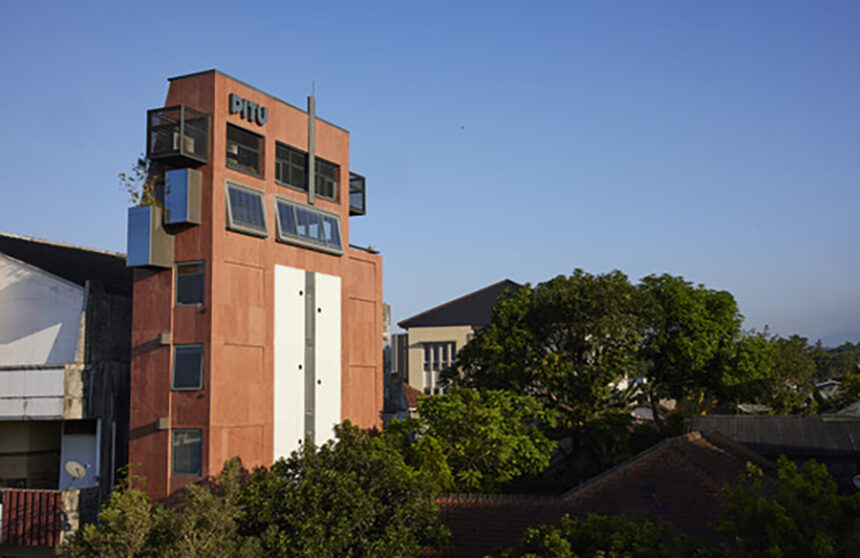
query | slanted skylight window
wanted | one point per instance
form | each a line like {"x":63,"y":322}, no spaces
{"x":309,"y":227}
{"x":245,"y":210}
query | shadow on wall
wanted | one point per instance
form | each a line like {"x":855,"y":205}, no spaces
{"x":40,"y":318}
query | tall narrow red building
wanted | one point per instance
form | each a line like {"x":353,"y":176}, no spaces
{"x":255,"y":324}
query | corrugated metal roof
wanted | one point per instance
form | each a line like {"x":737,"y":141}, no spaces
{"x":791,"y":435}
{"x":32,"y":517}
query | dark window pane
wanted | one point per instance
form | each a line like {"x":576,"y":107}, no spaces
{"x":189,"y":283}
{"x":187,"y":452}
{"x":287,"y":214}
{"x":291,"y":166}
{"x":244,"y":150}
{"x":188,"y":367}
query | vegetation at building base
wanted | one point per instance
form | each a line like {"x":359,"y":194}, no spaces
{"x":797,"y":515}
{"x":354,"y":496}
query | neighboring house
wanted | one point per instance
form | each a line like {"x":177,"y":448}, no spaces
{"x":831,"y":439}
{"x":679,"y":480}
{"x":65,"y":329}
{"x":256,"y":324}
{"x":433,"y":337}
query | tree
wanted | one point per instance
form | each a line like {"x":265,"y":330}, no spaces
{"x":570,"y":342}
{"x":690,"y":341}
{"x":354,"y":496}
{"x":125,"y":526}
{"x":204,"y":524}
{"x":605,"y":537}
{"x":474,"y":441}
{"x":800,"y":514}
{"x":792,"y":381}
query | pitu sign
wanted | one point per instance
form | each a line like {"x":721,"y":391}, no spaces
{"x":252,"y":112}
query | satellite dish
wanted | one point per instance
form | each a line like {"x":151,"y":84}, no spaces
{"x":857,"y":481}
{"x":76,"y":470}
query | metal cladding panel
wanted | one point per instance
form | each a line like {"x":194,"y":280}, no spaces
{"x":31,"y":517}
{"x":139,"y":239}
{"x":182,"y":196}
{"x":289,"y":355}
{"x":148,"y":243}
{"x":327,"y":356}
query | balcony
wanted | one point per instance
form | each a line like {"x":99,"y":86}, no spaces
{"x":177,"y":136}
{"x":357,"y":199}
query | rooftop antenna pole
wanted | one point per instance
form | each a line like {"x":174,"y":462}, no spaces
{"x":311,"y":144}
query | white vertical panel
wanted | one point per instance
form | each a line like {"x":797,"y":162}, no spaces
{"x":289,"y":356}
{"x":327,"y":355}
{"x":82,"y":448}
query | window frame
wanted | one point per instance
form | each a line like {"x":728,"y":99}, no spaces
{"x":260,"y":153}
{"x":239,"y":227}
{"x":304,"y":155}
{"x":173,"y":471}
{"x":318,"y":161}
{"x":297,"y":240}
{"x":199,"y":385}
{"x":176,"y":267}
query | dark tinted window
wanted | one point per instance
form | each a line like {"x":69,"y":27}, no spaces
{"x":189,"y":283}
{"x":244,"y":151}
{"x":188,"y":367}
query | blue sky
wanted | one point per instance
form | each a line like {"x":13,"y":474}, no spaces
{"x":719,"y":141}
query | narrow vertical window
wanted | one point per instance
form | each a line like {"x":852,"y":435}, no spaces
{"x":187,"y":367}
{"x":187,"y":446}
{"x":190,"y":281}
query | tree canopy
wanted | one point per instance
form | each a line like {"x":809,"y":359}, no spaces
{"x":474,"y":441}
{"x":799,"y":514}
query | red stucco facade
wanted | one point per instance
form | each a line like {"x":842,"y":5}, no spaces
{"x":235,"y":407}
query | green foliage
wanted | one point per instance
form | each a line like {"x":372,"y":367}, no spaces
{"x":474,"y":441}
{"x":690,"y":340}
{"x":800,"y":514}
{"x":568,"y":341}
{"x":125,"y":526}
{"x":835,"y":362}
{"x":353,"y":497}
{"x":205,"y":525}
{"x":605,"y":537}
